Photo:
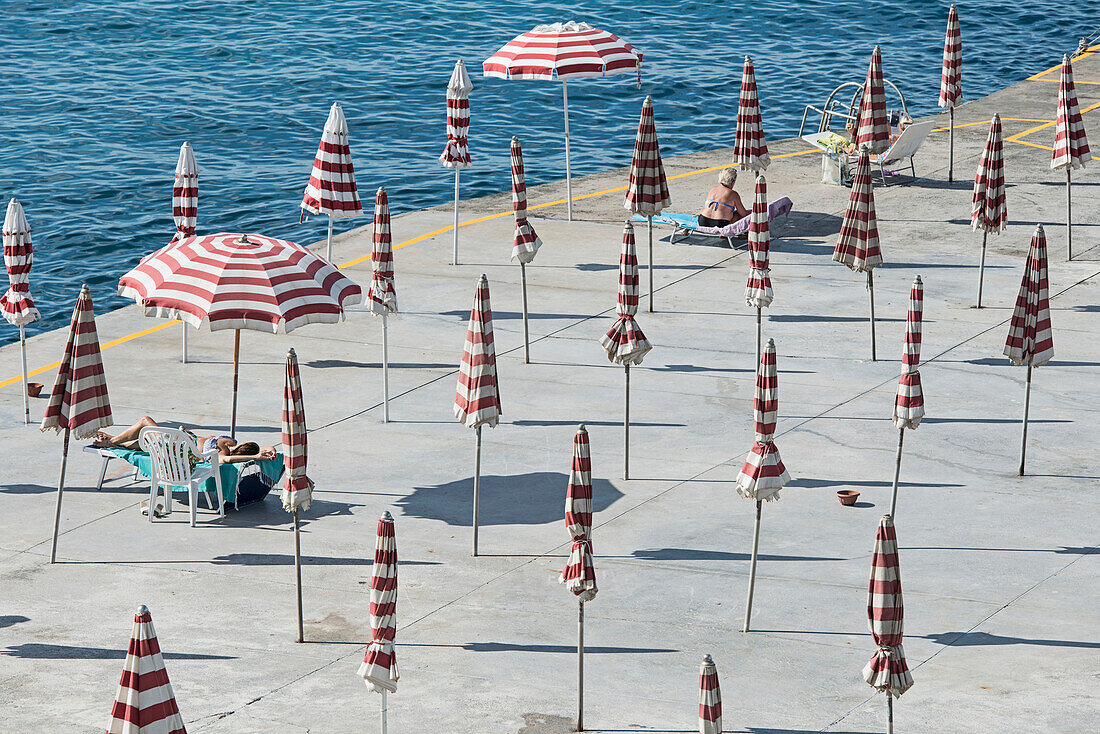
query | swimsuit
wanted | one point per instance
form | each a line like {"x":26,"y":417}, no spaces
{"x":211,"y":442}
{"x":705,"y":221}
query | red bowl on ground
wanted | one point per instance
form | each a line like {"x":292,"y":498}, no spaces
{"x":847,"y":496}
{"x":34,"y":388}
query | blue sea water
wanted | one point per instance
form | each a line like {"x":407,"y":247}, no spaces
{"x":96,"y":98}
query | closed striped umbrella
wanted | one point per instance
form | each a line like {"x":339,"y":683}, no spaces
{"x":750,"y":151}
{"x":297,"y":486}
{"x":1071,"y":147}
{"x":456,"y":153}
{"x":525,"y":242}
{"x":872,"y":127}
{"x":887,"y":670}
{"x":382,"y":294}
{"x":989,"y":212}
{"x":16,"y":304}
{"x":951,"y":81}
{"x":579,"y":574}
{"x":909,"y":400}
{"x":857,"y":244}
{"x":758,"y":289}
{"x":185,"y":193}
{"x":379,"y":667}
{"x":710,"y":698}
{"x":624,"y":342}
{"x":145,"y":702}
{"x":647,"y":191}
{"x":1029,"y":335}
{"x":331,"y":189}
{"x":477,"y":397}
{"x":79,"y":403}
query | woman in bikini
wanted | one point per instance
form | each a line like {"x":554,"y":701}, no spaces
{"x":723,"y":203}
{"x":229,"y":451}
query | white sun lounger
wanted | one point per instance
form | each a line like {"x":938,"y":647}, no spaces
{"x":902,"y":151}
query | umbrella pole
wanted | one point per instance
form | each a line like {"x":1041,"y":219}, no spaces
{"x":454,"y":259}
{"x":23,"y":358}
{"x":981,"y":267}
{"x":568,"y":170}
{"x":385,"y":710}
{"x":580,"y":666}
{"x":236,"y":372}
{"x":526,"y":333}
{"x":1027,"y":406}
{"x":650,"y":218}
{"x":626,"y":427}
{"x":871,"y":291}
{"x":385,"y":371}
{"x":897,"y":473}
{"x":60,"y":490}
{"x":183,"y":330}
{"x":1069,"y":219}
{"x":328,"y":244}
{"x":889,"y":713}
{"x":752,"y":564}
{"x":758,"y":331}
{"x":298,"y":574}
{"x":477,"y":484}
{"x":951,"y":146}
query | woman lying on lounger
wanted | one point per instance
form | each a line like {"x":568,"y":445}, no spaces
{"x":723,"y":203}
{"x":229,"y":451}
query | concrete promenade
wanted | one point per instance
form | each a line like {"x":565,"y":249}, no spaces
{"x":1001,"y":574}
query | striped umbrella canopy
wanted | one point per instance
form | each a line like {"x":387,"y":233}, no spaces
{"x":750,"y":151}
{"x":758,"y":289}
{"x":564,"y":51}
{"x":331,"y":189}
{"x":525,"y":242}
{"x":185,"y":193}
{"x":145,"y":702}
{"x":379,"y":666}
{"x":579,"y":573}
{"x":1071,"y":147}
{"x":887,"y":670}
{"x":909,"y":402}
{"x":16,"y":304}
{"x":456,"y":153}
{"x":624,"y":342}
{"x":79,"y":402}
{"x":297,"y":487}
{"x":237,"y":281}
{"x":647,"y":192}
{"x":477,"y":398}
{"x":1029,"y":337}
{"x":951,"y":74}
{"x":381,"y":294}
{"x":857,"y":245}
{"x":763,"y":473}
{"x":989,"y":212}
{"x":872,"y":127}
{"x":710,"y":698}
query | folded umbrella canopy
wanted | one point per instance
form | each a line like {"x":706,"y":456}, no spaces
{"x":382,"y":294}
{"x":951,"y":82}
{"x":563,"y":51}
{"x":710,"y":698}
{"x":1071,"y":147}
{"x":456,"y":153}
{"x":145,"y":702}
{"x":1029,"y":336}
{"x":16,"y":304}
{"x":909,"y":400}
{"x":857,"y":244}
{"x":647,"y":191}
{"x":185,"y":208}
{"x":750,"y":151}
{"x":297,"y":486}
{"x":579,"y":574}
{"x":379,"y":667}
{"x":331,"y":189}
{"x":872,"y":127}
{"x":238,"y":281}
{"x":525,"y":242}
{"x":989,"y":212}
{"x":477,"y":397}
{"x":758,"y":288}
{"x":79,"y":403}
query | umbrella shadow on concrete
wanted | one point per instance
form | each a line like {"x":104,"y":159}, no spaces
{"x":39,"y":651}
{"x":326,"y":363}
{"x":810,"y":318}
{"x":691,"y":554}
{"x":926,"y":266}
{"x":600,"y":267}
{"x":807,"y":224}
{"x":271,"y":513}
{"x":10,"y":620}
{"x":287,"y":559}
{"x":611,"y":424}
{"x":516,"y":647}
{"x":515,"y":315}
{"x":978,"y":639}
{"x":800,"y":246}
{"x":534,"y":498}
{"x":824,"y":483}
{"x":1004,"y":362}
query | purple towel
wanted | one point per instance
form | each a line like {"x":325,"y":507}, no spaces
{"x":741,"y":226}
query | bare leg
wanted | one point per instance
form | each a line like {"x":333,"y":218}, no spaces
{"x":130,"y":434}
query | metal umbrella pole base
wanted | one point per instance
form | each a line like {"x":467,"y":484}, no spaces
{"x":526,"y":331}
{"x":1027,"y":407}
{"x":60,"y":492}
{"x":897,"y":473}
{"x":23,"y":361}
{"x":580,"y":666}
{"x":626,"y":425}
{"x":871,"y":291}
{"x":298,"y":575}
{"x":752,"y":565}
{"x":385,"y":371}
{"x":477,"y":484}
{"x":981,"y":267}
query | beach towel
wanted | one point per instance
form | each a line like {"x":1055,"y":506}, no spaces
{"x":270,"y":471}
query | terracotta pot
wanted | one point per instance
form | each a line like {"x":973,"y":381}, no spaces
{"x":34,"y":388}
{"x":847,"y":496}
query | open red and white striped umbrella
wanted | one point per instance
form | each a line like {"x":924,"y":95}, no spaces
{"x":79,"y":403}
{"x":887,"y":670}
{"x":456,"y":153}
{"x":989,"y":212}
{"x":525,"y":242}
{"x":750,"y":151}
{"x":624,"y":342}
{"x":145,"y":702}
{"x":16,"y":304}
{"x":1030,"y":340}
{"x":857,"y":244}
{"x":647,"y":190}
{"x":872,"y":127}
{"x":710,"y":698}
{"x":382,"y":294}
{"x":951,"y":81}
{"x":185,"y":193}
{"x":579,"y":573}
{"x":477,"y":397}
{"x":331,"y":189}
{"x":297,"y":486}
{"x":909,"y":400}
{"x":379,"y":667}
{"x":563,"y":51}
{"x":1071,"y":146}
{"x":758,"y":288}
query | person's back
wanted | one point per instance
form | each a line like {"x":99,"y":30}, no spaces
{"x":723,"y":204}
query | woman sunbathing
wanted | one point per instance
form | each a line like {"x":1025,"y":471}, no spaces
{"x":229,"y":451}
{"x":722,"y":202}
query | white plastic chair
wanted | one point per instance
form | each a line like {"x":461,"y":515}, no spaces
{"x":906,"y":146}
{"x":169,"y":450}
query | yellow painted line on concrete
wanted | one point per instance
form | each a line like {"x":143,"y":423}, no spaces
{"x":1038,"y":77}
{"x":1016,"y":138}
{"x":986,"y":122}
